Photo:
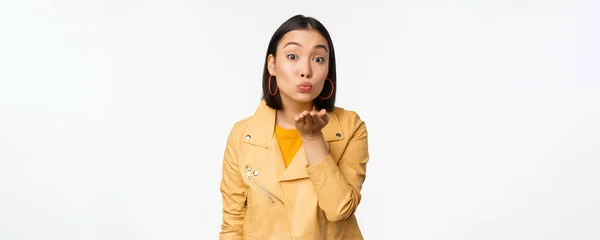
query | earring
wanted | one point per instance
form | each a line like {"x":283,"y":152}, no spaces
{"x":269,"y":85}
{"x":330,"y":94}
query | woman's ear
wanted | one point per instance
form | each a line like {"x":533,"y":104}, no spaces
{"x":271,"y":64}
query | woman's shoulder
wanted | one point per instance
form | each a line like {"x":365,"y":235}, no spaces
{"x":240,"y":124}
{"x":346,"y":115}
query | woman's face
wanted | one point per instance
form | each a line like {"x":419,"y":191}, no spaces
{"x":301,"y":65}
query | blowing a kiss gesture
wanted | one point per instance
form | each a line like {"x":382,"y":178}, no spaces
{"x":309,"y":124}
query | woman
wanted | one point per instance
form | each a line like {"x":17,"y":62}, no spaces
{"x":295,"y":169}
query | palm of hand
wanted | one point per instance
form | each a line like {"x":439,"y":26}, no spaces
{"x":310,"y":124}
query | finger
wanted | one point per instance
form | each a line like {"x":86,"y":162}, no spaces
{"x":296,"y":122}
{"x":322,"y":112}
{"x":298,"y":125}
{"x":300,"y":119}
{"x":324,"y":115}
{"x":316,"y":118}
{"x":309,"y":118}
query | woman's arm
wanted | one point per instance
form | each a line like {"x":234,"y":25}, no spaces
{"x":315,"y":148}
{"x":338,"y":185}
{"x":232,"y":191}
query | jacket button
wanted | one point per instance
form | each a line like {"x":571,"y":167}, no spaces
{"x":255,"y":173}
{"x":248,"y":137}
{"x":338,"y":135}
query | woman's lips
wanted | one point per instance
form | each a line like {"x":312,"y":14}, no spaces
{"x":305,"y":87}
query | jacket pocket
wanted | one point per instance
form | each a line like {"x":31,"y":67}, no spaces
{"x":246,"y":200}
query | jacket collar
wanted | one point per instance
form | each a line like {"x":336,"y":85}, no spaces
{"x":261,"y":127}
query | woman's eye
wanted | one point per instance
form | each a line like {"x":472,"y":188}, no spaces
{"x":292,"y":56}
{"x":319,"y":59}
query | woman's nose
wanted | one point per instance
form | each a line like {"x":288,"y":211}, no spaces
{"x":305,"y":69}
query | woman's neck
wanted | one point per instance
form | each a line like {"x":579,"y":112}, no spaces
{"x":285,"y":117}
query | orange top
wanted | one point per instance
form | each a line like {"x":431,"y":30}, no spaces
{"x":289,"y":143}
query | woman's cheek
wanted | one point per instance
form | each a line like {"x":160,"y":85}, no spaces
{"x":288,"y":73}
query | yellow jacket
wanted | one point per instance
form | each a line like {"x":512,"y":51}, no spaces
{"x":264,"y":200}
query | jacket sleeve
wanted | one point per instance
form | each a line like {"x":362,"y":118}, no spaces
{"x":232,"y":191}
{"x":338,"y":185}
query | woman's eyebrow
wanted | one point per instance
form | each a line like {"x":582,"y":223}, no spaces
{"x":292,"y":43}
{"x":321,"y":46}
{"x":300,"y":45}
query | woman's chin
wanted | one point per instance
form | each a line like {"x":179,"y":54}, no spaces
{"x":303,"y":98}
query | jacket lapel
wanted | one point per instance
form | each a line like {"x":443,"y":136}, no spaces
{"x":333,"y":131}
{"x":261,"y":126}
{"x":297,"y":168}
{"x":266,"y":159}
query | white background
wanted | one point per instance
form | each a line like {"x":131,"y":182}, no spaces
{"x":483,"y":115}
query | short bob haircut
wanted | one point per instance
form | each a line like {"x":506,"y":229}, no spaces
{"x":300,"y":22}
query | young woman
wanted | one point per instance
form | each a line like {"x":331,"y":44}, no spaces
{"x":295,"y":169}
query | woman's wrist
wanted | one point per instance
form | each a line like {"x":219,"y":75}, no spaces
{"x":317,"y":136}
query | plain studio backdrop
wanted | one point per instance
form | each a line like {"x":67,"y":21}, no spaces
{"x":483,"y":115}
